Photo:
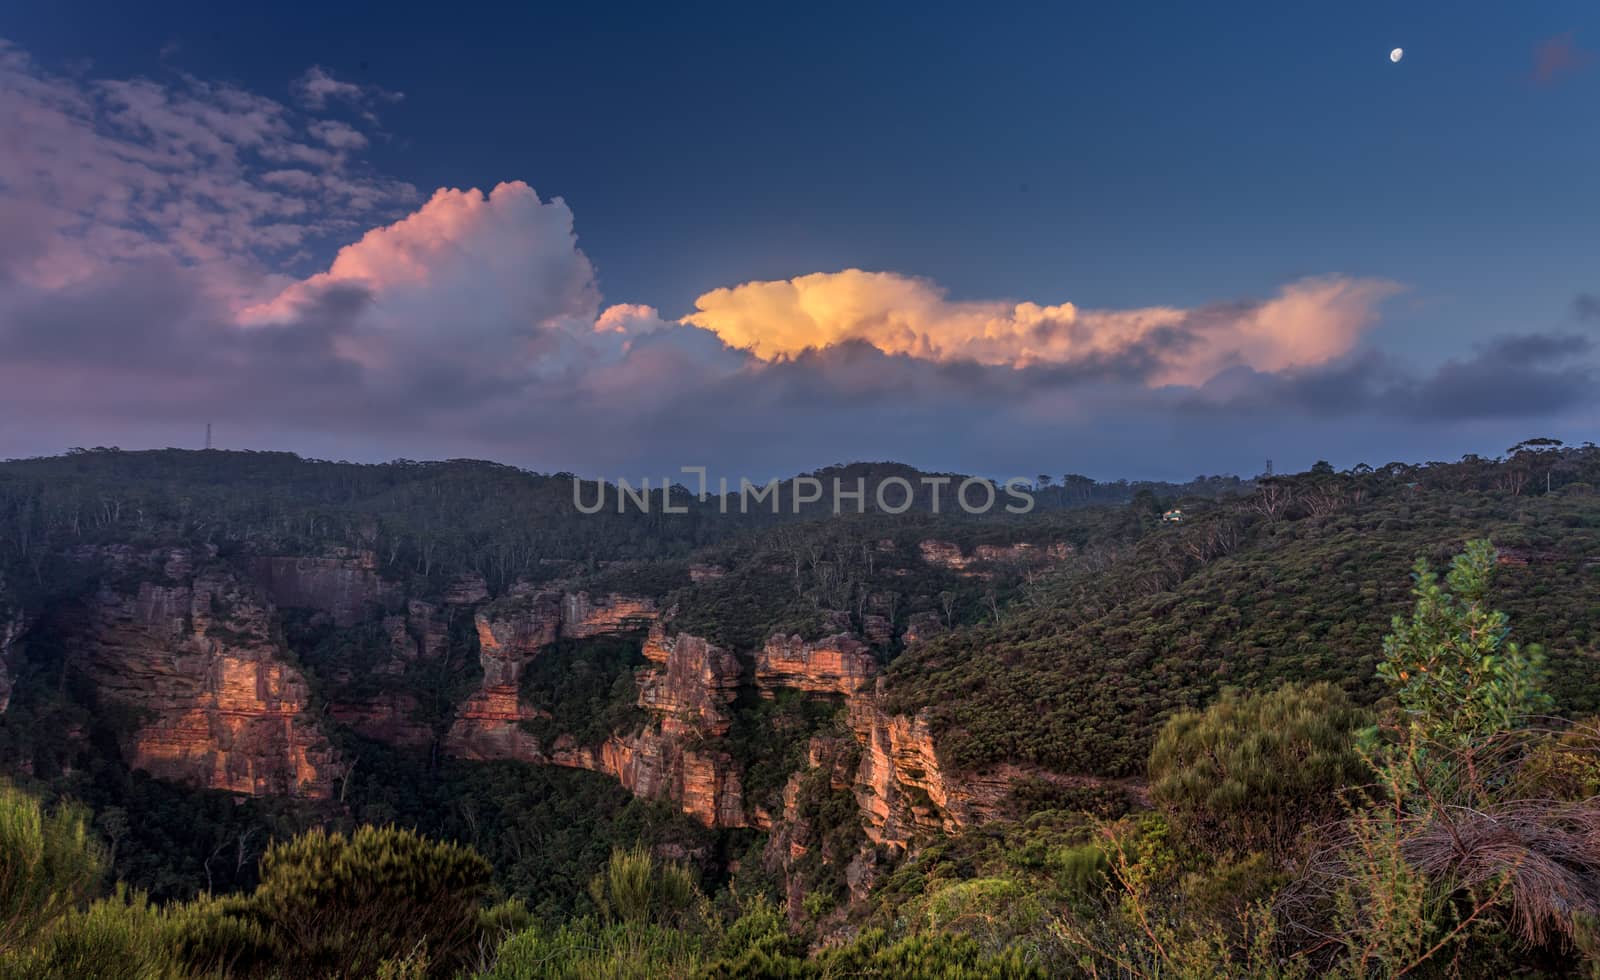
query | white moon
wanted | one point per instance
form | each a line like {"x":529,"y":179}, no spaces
{"x":1397,"y":54}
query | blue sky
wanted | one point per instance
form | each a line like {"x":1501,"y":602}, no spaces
{"x":1114,"y":156}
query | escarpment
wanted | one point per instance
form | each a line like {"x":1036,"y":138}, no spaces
{"x":211,"y":696}
{"x":217,"y":661}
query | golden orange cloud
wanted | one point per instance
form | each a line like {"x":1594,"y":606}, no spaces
{"x":1309,"y":322}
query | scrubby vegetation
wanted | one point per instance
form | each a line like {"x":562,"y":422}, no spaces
{"x":1308,"y":764}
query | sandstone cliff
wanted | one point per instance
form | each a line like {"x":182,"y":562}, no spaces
{"x":947,"y":554}
{"x":213,"y":700}
{"x":583,"y":615}
{"x":691,"y":685}
{"x":839,"y":664}
{"x":511,"y":632}
{"x":703,"y":783}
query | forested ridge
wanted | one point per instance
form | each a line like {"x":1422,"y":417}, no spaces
{"x":1240,"y":721}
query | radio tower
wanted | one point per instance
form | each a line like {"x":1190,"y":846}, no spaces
{"x":208,"y":446}
{"x":208,"y":437}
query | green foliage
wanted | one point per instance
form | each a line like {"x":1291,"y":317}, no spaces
{"x":586,"y":949}
{"x":587,"y":687}
{"x":337,"y":904}
{"x":120,"y":938}
{"x":49,"y":865}
{"x":635,"y":887}
{"x":1255,"y":772}
{"x":1141,"y":622}
{"x":1452,"y":666}
{"x":926,"y":956}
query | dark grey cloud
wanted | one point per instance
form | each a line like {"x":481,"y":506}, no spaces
{"x":1514,"y":376}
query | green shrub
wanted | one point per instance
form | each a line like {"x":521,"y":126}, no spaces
{"x":49,"y":865}
{"x":338,"y":905}
{"x":1252,"y":772}
{"x":587,"y":948}
{"x":635,"y":887}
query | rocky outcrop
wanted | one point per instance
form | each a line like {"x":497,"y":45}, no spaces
{"x":687,"y":690}
{"x":423,"y":633}
{"x":692,"y":685}
{"x":344,"y":584}
{"x":878,"y":630}
{"x":583,"y":615}
{"x":214,"y":702}
{"x":511,"y":632}
{"x":903,"y":787}
{"x":489,"y":726}
{"x":703,"y":783}
{"x":900,"y":786}
{"x":467,"y":590}
{"x":947,"y":554}
{"x":839,"y":664}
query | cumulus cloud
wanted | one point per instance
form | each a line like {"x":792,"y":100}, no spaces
{"x":145,"y":290}
{"x":491,"y":285}
{"x":1308,"y":322}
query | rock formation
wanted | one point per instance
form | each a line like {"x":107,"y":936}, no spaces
{"x":839,"y":664}
{"x":654,"y":765}
{"x":214,"y":702}
{"x":583,"y":615}
{"x":511,"y":632}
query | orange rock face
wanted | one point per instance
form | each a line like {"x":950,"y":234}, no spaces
{"x":511,"y":633}
{"x":688,"y":692}
{"x":947,"y":554}
{"x":839,"y":664}
{"x":704,"y":784}
{"x":583,"y":615}
{"x":218,"y":706}
{"x":692,"y":687}
{"x":489,"y":726}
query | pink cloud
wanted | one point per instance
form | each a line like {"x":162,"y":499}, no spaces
{"x":118,"y":170}
{"x":1309,"y":322}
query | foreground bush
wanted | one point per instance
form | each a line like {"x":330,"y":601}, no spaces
{"x":341,"y":906}
{"x":49,"y":866}
{"x":1253,"y":772}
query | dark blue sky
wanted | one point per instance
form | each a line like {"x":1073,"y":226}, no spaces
{"x":1114,"y":154}
{"x":1278,"y":242}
